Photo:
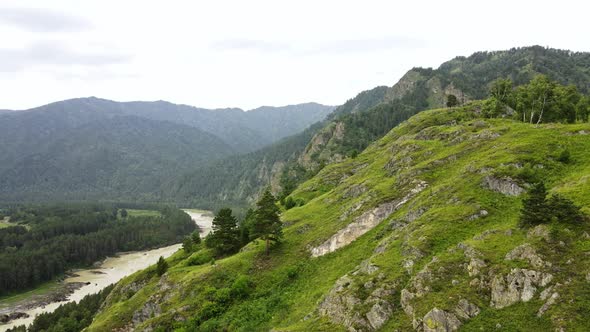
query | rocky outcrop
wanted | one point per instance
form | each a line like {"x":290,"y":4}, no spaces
{"x":316,"y":149}
{"x":480,"y":214}
{"x":518,"y":285}
{"x":152,"y":307}
{"x":404,"y":85}
{"x":342,"y":303}
{"x":364,"y":223}
{"x":379,"y":314}
{"x":466,"y":309}
{"x":506,"y":186}
{"x":147,"y":311}
{"x":354,"y":191}
{"x":550,"y":301}
{"x":540,"y":231}
{"x":527,"y":253}
{"x":437,"y":320}
{"x":418,"y":287}
{"x":476,"y":264}
{"x":406,"y":301}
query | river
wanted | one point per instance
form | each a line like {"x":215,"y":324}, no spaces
{"x":112,"y":270}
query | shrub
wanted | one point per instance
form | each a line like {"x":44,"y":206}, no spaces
{"x":492,"y":108}
{"x":292,"y":272}
{"x":241,"y":287}
{"x":290,"y":203}
{"x":223,"y":295}
{"x":200,"y":257}
{"x":564,"y":156}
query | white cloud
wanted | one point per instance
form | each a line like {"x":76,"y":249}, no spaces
{"x":249,"y":53}
{"x":54,"y":53}
{"x":42,"y":20}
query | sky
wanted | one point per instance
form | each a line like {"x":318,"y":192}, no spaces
{"x":245,"y":54}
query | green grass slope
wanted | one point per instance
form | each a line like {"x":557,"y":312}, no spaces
{"x":436,"y":252}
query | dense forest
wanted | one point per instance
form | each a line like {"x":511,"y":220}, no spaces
{"x":48,"y":240}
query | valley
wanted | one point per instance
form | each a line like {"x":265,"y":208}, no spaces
{"x":456,"y":199}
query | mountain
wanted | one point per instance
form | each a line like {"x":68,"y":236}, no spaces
{"x":420,"y":231}
{"x":351,"y":127}
{"x":91,"y":148}
{"x":124,"y":158}
{"x":245,"y":131}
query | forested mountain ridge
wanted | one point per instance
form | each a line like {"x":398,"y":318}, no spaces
{"x":465,"y":78}
{"x":371,"y":114}
{"x":245,"y":131}
{"x":118,"y":158}
{"x":424,"y":230}
{"x":91,"y":148}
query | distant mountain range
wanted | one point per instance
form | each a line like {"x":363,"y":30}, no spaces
{"x":91,"y":148}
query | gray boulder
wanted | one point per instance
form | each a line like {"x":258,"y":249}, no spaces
{"x":518,"y":285}
{"x":437,"y":320}
{"x":466,"y":309}
{"x":527,"y":253}
{"x":379,"y":314}
{"x":506,"y":186}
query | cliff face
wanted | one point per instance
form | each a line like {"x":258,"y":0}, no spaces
{"x":419,"y":232}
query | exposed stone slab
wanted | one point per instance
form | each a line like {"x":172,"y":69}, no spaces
{"x":364,"y":223}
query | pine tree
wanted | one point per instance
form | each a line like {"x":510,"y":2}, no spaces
{"x":267,"y":224}
{"x":535,"y":209}
{"x":161,"y":266}
{"x":225,"y":236}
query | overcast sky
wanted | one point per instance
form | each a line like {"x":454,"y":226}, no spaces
{"x":246,"y":54}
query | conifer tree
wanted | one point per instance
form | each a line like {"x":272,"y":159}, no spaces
{"x":535,"y":209}
{"x":225,"y":235}
{"x":161,"y":266}
{"x":268,"y":225}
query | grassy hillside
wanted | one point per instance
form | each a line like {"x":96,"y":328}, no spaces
{"x":425,"y":222}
